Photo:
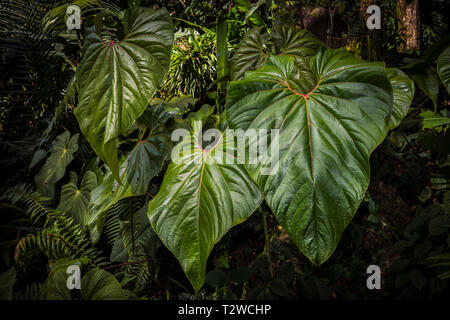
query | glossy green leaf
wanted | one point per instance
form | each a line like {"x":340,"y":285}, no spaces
{"x":432,"y":120}
{"x":55,"y":166}
{"x":118,"y":79}
{"x":256,"y":47}
{"x":301,"y":45}
{"x":140,"y":166}
{"x":75,"y":200}
{"x":254,"y":17}
{"x":326,"y":136}
{"x":427,"y":80}
{"x":200,"y":199}
{"x":7,"y":280}
{"x":403,"y":91}
{"x":443,"y":68}
{"x":98,"y":284}
{"x":55,"y":287}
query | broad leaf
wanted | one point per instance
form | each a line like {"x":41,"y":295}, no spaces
{"x":432,"y":120}
{"x":98,"y":284}
{"x":326,"y":136}
{"x":55,"y":166}
{"x":118,"y":79}
{"x":75,"y":200}
{"x":443,"y":68}
{"x":200,"y":199}
{"x":427,"y":80}
{"x":143,"y":163}
{"x":403,"y":91}
{"x":7,"y":280}
{"x":256,"y":47}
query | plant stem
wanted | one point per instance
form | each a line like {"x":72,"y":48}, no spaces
{"x":267,"y":246}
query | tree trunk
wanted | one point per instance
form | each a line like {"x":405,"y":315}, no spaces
{"x":408,"y":16}
{"x":315,"y":19}
{"x":371,"y":37}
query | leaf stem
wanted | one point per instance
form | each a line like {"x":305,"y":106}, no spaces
{"x":267,"y":243}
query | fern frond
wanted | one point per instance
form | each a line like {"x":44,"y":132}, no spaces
{"x":118,"y":214}
{"x":32,"y":291}
{"x":60,"y":237}
{"x":55,"y":18}
{"x":35,"y":204}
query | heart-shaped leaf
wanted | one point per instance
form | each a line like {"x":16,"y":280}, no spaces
{"x":55,"y":166}
{"x":118,"y":79}
{"x":326,"y":136}
{"x":75,"y":201}
{"x":256,"y":47}
{"x":139,"y":167}
{"x":200,"y":199}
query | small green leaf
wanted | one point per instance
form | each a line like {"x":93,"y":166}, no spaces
{"x":55,"y":166}
{"x":432,"y":120}
{"x":7,"y":280}
{"x":75,"y":200}
{"x":427,"y":80}
{"x":438,"y":225}
{"x":443,"y":68}
{"x":98,"y":284}
{"x":403,"y":91}
{"x":279,"y":287}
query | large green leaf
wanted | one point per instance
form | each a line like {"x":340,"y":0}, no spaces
{"x":96,"y":284}
{"x":55,"y":166}
{"x":256,"y":47}
{"x":75,"y":200}
{"x":200,"y":199}
{"x":403,"y":90}
{"x":432,"y":120}
{"x":118,"y":79}
{"x":426,"y":78}
{"x":141,"y":164}
{"x":443,"y":68}
{"x":325,"y":140}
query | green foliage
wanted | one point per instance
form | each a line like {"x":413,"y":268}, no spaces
{"x":112,"y":96}
{"x":192,"y":68}
{"x":443,"y":68}
{"x":96,"y":284}
{"x":332,"y":110}
{"x":55,"y":166}
{"x":200,"y":199}
{"x":345,"y":113}
{"x":257,"y":46}
{"x":403,"y":91}
{"x":75,"y":200}
{"x":7,"y":280}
